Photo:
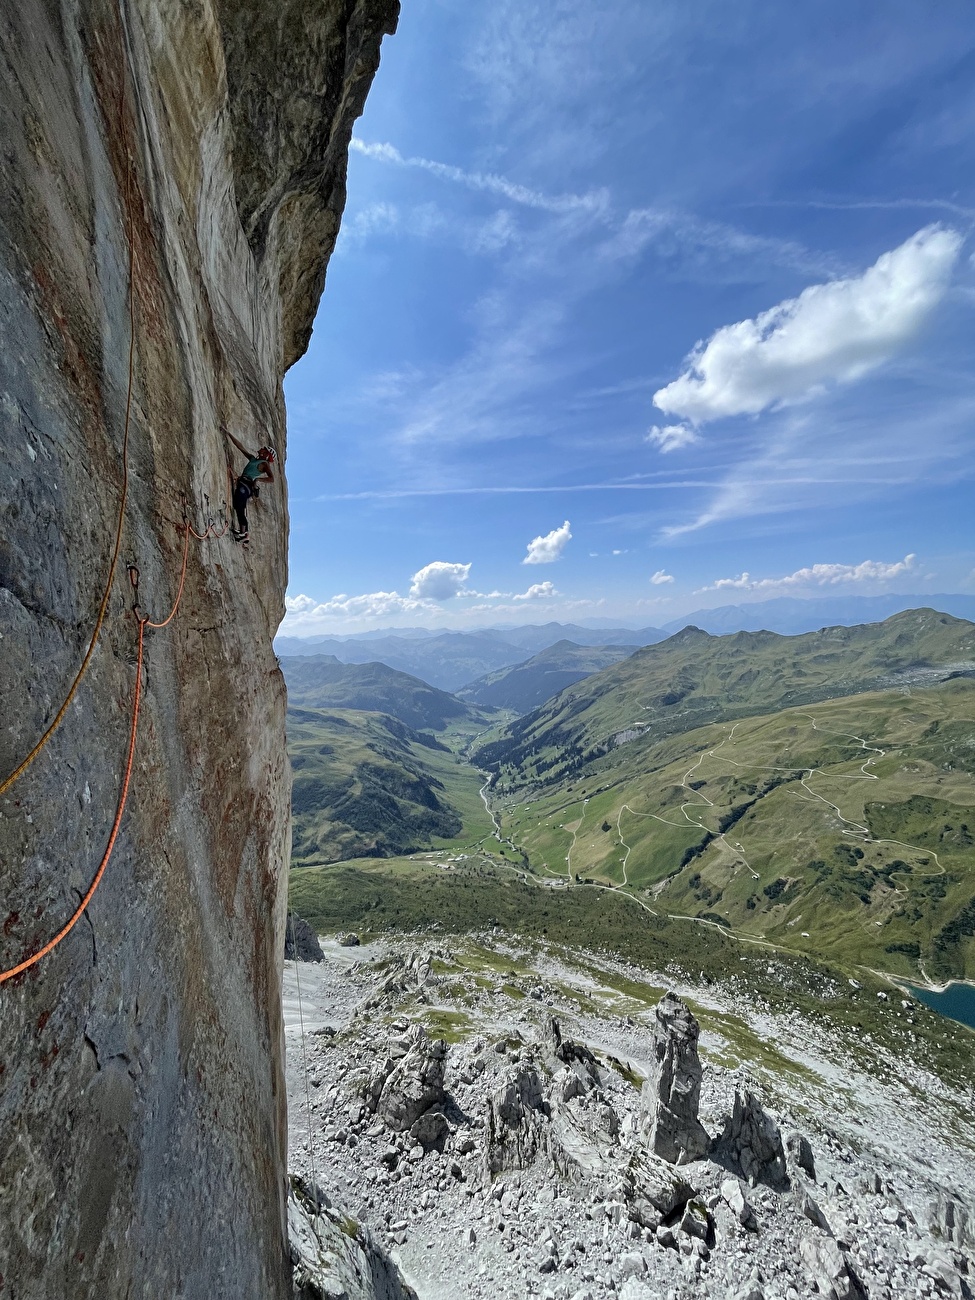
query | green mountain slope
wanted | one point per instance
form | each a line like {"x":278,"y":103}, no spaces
{"x":365,"y":784}
{"x":693,"y":679}
{"x":844,"y":829}
{"x":527,"y":685}
{"x":322,"y":682}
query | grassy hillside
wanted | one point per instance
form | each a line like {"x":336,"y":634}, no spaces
{"x":321,"y":682}
{"x":844,"y":829}
{"x":463,"y":896}
{"x":527,"y":685}
{"x":367,"y":784}
{"x":813,"y":793}
{"x":693,"y":679}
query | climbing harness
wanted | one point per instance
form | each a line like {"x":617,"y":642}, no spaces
{"x":304,"y":1056}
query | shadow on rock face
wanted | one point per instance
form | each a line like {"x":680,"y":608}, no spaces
{"x":333,"y":1255}
{"x":752,"y":1144}
{"x":301,"y":941}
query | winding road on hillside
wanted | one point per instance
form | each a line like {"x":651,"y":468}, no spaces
{"x":859,"y":830}
{"x":735,"y":847}
{"x":873,"y":755}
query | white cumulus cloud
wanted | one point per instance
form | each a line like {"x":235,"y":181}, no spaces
{"x":832,"y":332}
{"x":544,"y":550}
{"x":819,"y":575}
{"x":538,"y":591}
{"x":439,"y":580}
{"x":671,"y":437}
{"x":660,"y":577}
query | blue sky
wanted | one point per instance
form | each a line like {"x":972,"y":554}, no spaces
{"x":643,"y":307}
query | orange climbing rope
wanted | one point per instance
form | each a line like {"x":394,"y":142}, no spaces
{"x":123,"y":798}
{"x":188,"y":531}
{"x":143,"y":622}
{"x":182,"y":582}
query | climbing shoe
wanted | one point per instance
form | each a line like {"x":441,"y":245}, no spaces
{"x":240,"y":537}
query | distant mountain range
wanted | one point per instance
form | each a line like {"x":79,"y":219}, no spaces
{"x":792,"y":616}
{"x":527,"y":685}
{"x":322,"y":682}
{"x":694,"y":678}
{"x":450,"y":660}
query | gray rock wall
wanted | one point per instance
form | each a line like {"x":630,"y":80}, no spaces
{"x":142,"y":1109}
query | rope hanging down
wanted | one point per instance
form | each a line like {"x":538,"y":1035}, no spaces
{"x":22,"y":767}
{"x":123,"y":797}
{"x":143,"y":622}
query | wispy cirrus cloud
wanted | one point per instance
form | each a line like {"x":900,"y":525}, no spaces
{"x":840,"y":454}
{"x":628,"y":232}
{"x":870,"y":205}
{"x":818,"y":575}
{"x":523,"y":489}
{"x":687,"y":239}
{"x":584,"y":243}
{"x":490,"y":234}
{"x":595,"y":201}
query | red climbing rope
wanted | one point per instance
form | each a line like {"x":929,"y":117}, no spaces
{"x":117,"y":547}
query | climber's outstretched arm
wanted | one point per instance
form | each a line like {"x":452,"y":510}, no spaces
{"x":240,"y":447}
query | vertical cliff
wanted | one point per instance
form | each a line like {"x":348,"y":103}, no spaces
{"x":185,"y":159}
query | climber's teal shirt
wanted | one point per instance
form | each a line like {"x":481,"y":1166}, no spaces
{"x":253,"y":470}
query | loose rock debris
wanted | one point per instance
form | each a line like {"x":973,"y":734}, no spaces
{"x":528,"y":1158}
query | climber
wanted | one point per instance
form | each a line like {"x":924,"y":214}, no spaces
{"x":257,"y":470}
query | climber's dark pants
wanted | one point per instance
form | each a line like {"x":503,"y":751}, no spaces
{"x":242,"y":494}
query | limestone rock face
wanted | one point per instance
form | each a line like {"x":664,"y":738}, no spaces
{"x":800,"y":1153}
{"x":830,"y":1269}
{"x":672,"y":1095}
{"x":953,"y":1220}
{"x":517,"y":1121}
{"x":415,"y":1083}
{"x":335,"y":1258}
{"x":653,"y":1189}
{"x":142,"y":1125}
